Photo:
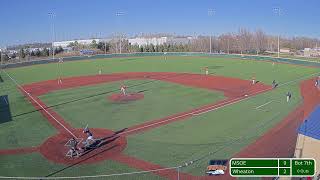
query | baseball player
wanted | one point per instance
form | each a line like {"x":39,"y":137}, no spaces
{"x":100,"y":72}
{"x":274,"y":84}
{"x":206,"y":70}
{"x":288,"y":96}
{"x":59,"y":80}
{"x":59,"y":64}
{"x":123,"y":89}
{"x":90,"y":138}
{"x":253,"y":79}
{"x":317,"y":82}
{"x":74,"y":148}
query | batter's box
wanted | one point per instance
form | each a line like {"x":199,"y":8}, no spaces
{"x":68,"y":144}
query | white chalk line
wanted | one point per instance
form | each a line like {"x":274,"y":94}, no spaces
{"x":39,"y":104}
{"x":264,"y":104}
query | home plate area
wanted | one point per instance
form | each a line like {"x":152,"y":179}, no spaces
{"x":107,"y":144}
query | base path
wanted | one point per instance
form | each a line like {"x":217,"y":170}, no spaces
{"x":232,"y":87}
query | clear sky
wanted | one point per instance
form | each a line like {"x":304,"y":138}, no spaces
{"x":28,"y":21}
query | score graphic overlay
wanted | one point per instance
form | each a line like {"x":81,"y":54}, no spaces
{"x":271,"y":167}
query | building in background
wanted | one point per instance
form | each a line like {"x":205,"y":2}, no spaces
{"x":285,"y":50}
{"x":311,"y":52}
{"x":144,"y":41}
{"x":65,"y":44}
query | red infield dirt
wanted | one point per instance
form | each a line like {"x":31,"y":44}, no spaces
{"x":55,"y":148}
{"x":234,"y":89}
{"x":118,"y":97}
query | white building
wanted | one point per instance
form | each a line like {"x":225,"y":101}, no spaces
{"x":65,"y":44}
{"x":311,"y":52}
{"x":143,"y":41}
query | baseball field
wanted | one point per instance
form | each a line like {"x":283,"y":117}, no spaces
{"x":177,"y":120}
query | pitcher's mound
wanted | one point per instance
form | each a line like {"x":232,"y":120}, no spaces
{"x":125,"y":98}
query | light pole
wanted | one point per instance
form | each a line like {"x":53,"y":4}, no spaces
{"x":118,"y":14}
{"x":211,"y":12}
{"x":277,"y":11}
{"x":52,"y":15}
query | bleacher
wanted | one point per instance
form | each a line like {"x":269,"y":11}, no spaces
{"x":311,"y":126}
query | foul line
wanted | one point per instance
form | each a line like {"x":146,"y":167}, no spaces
{"x":264,"y":104}
{"x":39,"y":104}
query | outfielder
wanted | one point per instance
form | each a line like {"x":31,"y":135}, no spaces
{"x":59,"y":64}
{"x":288,"y":96}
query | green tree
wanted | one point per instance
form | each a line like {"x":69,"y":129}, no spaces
{"x":141,"y":49}
{"x":37,"y":53}
{"x":22,"y":54}
{"x":45,"y":52}
{"x":4,"y":57}
{"x":71,"y":44}
{"x":151,"y":48}
{"x":94,"y":44}
{"x":58,"y":50}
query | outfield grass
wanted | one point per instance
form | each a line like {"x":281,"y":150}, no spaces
{"x":227,"y":130}
{"x":231,"y":67}
{"x":161,"y":99}
{"x":34,"y":165}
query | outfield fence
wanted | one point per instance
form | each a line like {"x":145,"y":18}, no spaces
{"x":237,"y":56}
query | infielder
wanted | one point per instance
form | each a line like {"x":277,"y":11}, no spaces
{"x":123,"y":89}
{"x":253,"y":79}
{"x":206,"y":70}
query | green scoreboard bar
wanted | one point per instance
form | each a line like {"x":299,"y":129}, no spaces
{"x":271,"y":167}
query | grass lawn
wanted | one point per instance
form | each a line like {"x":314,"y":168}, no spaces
{"x":161,"y":99}
{"x":35,"y":165}
{"x":225,"y":130}
{"x":231,"y":67}
{"x":26,"y":127}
